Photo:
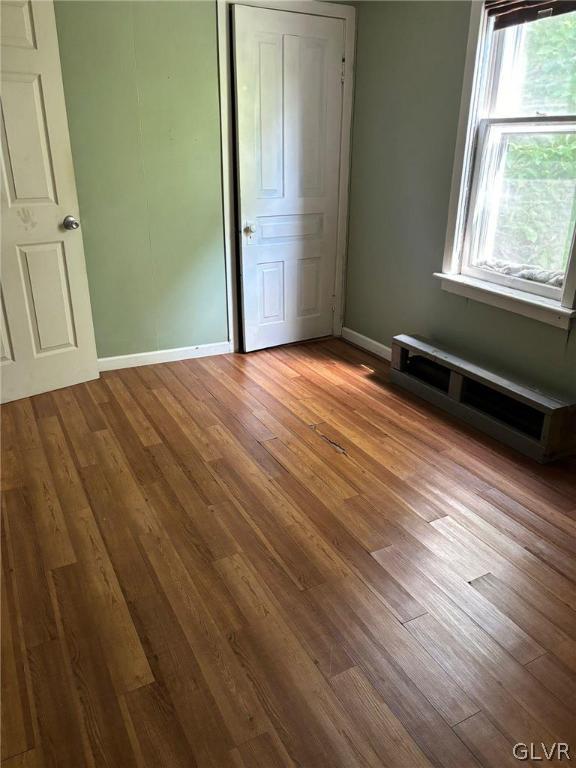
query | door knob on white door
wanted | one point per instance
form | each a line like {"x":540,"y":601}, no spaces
{"x":70,"y":222}
{"x":249,"y":229}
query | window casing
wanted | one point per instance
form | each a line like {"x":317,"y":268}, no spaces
{"x":515,"y":220}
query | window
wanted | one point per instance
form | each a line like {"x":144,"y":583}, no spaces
{"x":512,"y":229}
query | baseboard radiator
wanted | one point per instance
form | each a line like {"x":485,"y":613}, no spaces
{"x":540,"y":425}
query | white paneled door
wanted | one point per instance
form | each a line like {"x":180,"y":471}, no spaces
{"x":288,"y":70}
{"x":47,"y":338}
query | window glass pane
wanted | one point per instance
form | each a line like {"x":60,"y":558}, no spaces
{"x":525,"y":208}
{"x":538,"y":73}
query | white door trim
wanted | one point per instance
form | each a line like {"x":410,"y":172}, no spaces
{"x":333,"y":10}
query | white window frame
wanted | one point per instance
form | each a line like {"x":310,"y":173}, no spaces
{"x":551,"y":305}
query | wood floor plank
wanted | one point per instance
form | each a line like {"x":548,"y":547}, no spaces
{"x":490,"y":522}
{"x":182,"y":448}
{"x":353,"y":603}
{"x":301,"y":461}
{"x":261,"y":752}
{"x":240,"y":404}
{"x":401,"y":603}
{"x":30,"y":573}
{"x":252,"y":598}
{"x":539,"y":570}
{"x":196,"y":558}
{"x":509,"y":573}
{"x":390,"y":740}
{"x":107,"y":606}
{"x":22,"y":419}
{"x":284,"y":394}
{"x":380,"y":450}
{"x":184,"y":373}
{"x":163,"y":743}
{"x":462,"y":561}
{"x":532,"y":621}
{"x":64,"y":473}
{"x":16,"y":735}
{"x":287,"y":424}
{"x":140,"y":424}
{"x":305,"y":712}
{"x":119,"y":535}
{"x":57,"y":708}
{"x":116,"y":469}
{"x":563,"y":537}
{"x":482,"y":610}
{"x":314,"y":630}
{"x":109,"y":742}
{"x":85,"y":399}
{"x":273,"y":560}
{"x":141,"y":464}
{"x":32,"y":758}
{"x":512,"y":675}
{"x":197,"y":436}
{"x":555,"y":676}
{"x":489,"y":745}
{"x":275,"y":518}
{"x":11,"y":470}
{"x":175,"y":666}
{"x":517,"y":477}
{"x":419,"y":717}
{"x":463,"y":664}
{"x":235,"y":698}
{"x":190,"y":393}
{"x":44,"y":504}
{"x":147,"y":374}
{"x":204,"y":518}
{"x":75,"y":425}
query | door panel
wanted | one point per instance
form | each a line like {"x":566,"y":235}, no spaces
{"x":27,"y":156}
{"x":6,"y":353}
{"x":270,"y":152}
{"x":288,"y":69}
{"x":17,"y":24}
{"x":271,"y":292}
{"x":312,"y":65}
{"x":45,"y":276}
{"x":308,"y":286}
{"x":47,"y":334}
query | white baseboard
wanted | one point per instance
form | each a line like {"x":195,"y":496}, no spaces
{"x":163,"y":356}
{"x":380,"y":350}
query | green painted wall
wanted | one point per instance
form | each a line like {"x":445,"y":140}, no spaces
{"x":141,"y":88}
{"x":410,"y":60}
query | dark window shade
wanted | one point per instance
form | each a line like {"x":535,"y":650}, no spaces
{"x":508,"y":13}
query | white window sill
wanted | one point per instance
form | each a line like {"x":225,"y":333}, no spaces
{"x":521,"y":303}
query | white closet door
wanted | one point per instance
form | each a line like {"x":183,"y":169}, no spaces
{"x":288,"y":70}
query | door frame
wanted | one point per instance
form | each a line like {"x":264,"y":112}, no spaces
{"x":231,"y":227}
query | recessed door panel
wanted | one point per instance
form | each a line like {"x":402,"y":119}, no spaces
{"x":287,"y":229}
{"x":308,"y":287}
{"x":27,"y":156}
{"x":312,"y":60}
{"x":45,"y":277}
{"x":6,"y":353}
{"x":17,"y":24}
{"x":270,"y":156}
{"x":271,"y":292}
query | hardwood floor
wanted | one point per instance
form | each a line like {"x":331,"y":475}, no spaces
{"x":277,"y":560}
